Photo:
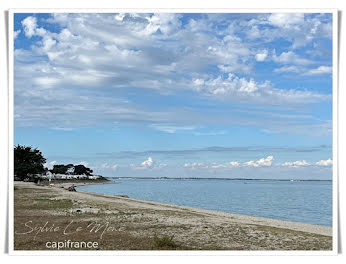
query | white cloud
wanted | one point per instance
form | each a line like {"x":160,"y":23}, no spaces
{"x":50,"y":165}
{"x":105,"y":166}
{"x":119,"y":16}
{"x":165,"y":22}
{"x":298,"y":28}
{"x":248,"y":90}
{"x":46,"y":81}
{"x":147,"y":163}
{"x":84,"y":163}
{"x":199,"y":25}
{"x":253,"y":33}
{"x":160,"y":166}
{"x":210,"y":133}
{"x":218,"y":166}
{"x":29,"y":26}
{"x":195,"y":165}
{"x":231,"y":164}
{"x":16,"y":33}
{"x":292,"y":68}
{"x":171,"y":128}
{"x":261,"y":162}
{"x":305,"y":71}
{"x":327,"y":162}
{"x":234,"y":164}
{"x":290,"y":57}
{"x":232,"y":84}
{"x":297,"y":163}
{"x":229,"y":68}
{"x":261,"y":56}
{"x":61,"y":69}
{"x":200,"y":165}
{"x":320,"y":70}
{"x":48,"y":43}
{"x":286,"y":20}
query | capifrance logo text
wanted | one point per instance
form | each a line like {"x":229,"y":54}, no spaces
{"x":69,"y":244}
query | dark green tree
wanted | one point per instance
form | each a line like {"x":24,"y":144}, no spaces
{"x":61,"y":169}
{"x":78,"y":169}
{"x":28,"y":161}
{"x":81,"y":169}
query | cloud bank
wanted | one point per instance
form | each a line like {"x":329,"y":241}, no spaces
{"x":91,"y":65}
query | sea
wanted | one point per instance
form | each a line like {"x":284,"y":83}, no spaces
{"x":298,"y":201}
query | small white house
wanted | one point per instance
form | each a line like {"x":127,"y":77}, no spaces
{"x":93,"y":177}
{"x":70,"y":170}
{"x":47,"y":175}
{"x":60,"y":176}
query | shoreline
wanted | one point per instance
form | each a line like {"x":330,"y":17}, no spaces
{"x":218,"y":178}
{"x":141,"y":221}
{"x":77,"y":183}
{"x":291,"y":225}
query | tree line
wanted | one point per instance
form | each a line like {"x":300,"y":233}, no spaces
{"x":71,"y":169}
{"x":29,"y":161}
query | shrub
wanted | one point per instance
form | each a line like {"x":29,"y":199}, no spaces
{"x":165,"y":242}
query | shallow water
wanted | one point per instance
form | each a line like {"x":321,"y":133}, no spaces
{"x":299,"y":201}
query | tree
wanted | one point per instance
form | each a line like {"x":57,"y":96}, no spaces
{"x":71,"y":169}
{"x":61,"y":169}
{"x":28,"y":161}
{"x":81,"y":169}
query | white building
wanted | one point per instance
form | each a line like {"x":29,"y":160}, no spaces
{"x":58,"y":176}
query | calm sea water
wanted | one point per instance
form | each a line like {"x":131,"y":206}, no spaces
{"x":299,"y":201}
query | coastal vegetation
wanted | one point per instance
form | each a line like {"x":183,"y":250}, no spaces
{"x":29,"y":164}
{"x":28,"y":161}
{"x":165,"y":242}
{"x":71,"y":169}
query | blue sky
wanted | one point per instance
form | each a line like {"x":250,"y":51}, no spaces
{"x":199,"y":95}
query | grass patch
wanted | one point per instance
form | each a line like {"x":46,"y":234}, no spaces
{"x":165,"y":242}
{"x":47,"y":204}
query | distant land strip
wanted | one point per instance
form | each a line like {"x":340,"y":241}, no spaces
{"x":217,"y":178}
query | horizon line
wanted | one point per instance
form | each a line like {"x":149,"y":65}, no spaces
{"x":211,"y":178}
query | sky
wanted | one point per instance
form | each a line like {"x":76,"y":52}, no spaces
{"x":177,"y":95}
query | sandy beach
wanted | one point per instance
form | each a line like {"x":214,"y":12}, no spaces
{"x":43,"y":214}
